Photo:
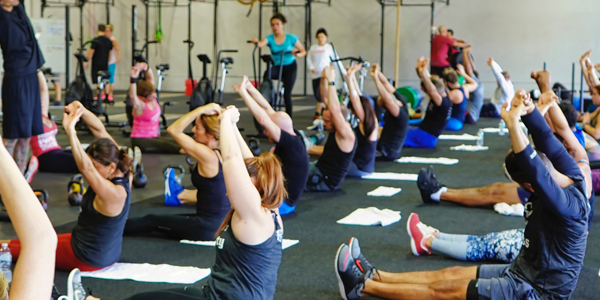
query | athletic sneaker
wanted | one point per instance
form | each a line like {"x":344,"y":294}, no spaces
{"x":361,"y":262}
{"x":74,"y":287}
{"x":172,"y":188}
{"x":285,"y":209}
{"x":418,"y":233}
{"x":111,"y":98}
{"x":317,"y":124}
{"x":132,"y":156}
{"x":55,"y":295}
{"x":32,"y":168}
{"x":428,"y":184}
{"x":351,"y":280}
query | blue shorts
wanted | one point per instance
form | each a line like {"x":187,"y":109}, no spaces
{"x":454,"y":124}
{"x":111,"y":69}
{"x":418,"y":138}
{"x":523,"y":195}
{"x":498,"y":283}
{"x":21,"y":106}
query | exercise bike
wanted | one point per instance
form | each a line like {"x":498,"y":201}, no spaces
{"x":203,"y":93}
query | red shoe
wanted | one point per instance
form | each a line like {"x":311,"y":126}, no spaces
{"x":32,"y":168}
{"x":110,"y":98}
{"x":418,"y":233}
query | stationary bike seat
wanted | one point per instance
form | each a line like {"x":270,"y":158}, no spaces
{"x":204,"y":58}
{"x":104,"y":74}
{"x":81,"y":57}
{"x":163,"y":67}
{"x":227,"y":60}
{"x":267,"y":58}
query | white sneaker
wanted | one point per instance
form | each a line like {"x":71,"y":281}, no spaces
{"x":74,"y":287}
{"x":318,"y":123}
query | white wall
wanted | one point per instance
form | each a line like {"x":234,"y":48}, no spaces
{"x":520,"y":35}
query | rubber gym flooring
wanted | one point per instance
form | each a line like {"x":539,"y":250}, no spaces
{"x":307,"y":269}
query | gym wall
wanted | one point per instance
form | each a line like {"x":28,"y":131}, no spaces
{"x":520,"y":35}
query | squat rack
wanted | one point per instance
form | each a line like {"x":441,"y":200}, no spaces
{"x":67,"y":5}
{"x":276,"y":4}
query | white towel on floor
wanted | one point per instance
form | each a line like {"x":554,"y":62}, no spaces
{"x":492,"y":130}
{"x":458,"y":137}
{"x":391,"y":176}
{"x":371,"y":216}
{"x":150,"y":273}
{"x":384,"y":191}
{"x":427,"y":160}
{"x":471,"y":148}
{"x":517,"y":210}
{"x":284,"y":245}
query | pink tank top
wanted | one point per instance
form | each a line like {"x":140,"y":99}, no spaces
{"x":45,"y":142}
{"x":146,"y":125}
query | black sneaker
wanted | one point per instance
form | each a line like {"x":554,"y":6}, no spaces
{"x":361,"y":262}
{"x":428,"y":184}
{"x":351,"y":280}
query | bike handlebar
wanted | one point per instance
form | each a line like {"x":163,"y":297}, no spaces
{"x":229,"y":51}
{"x":190,"y":42}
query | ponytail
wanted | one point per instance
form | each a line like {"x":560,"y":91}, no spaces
{"x":105,"y":151}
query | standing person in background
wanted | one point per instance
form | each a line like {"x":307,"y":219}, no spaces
{"x":319,"y":57}
{"x":440,"y":46}
{"x":113,"y":60}
{"x":21,"y":107}
{"x":280,"y":42}
{"x":504,"y":91}
{"x":99,"y":53}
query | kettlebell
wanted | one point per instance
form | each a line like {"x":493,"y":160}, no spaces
{"x":139,"y":178}
{"x":43,"y":196}
{"x":179,"y":168}
{"x":191,"y":163}
{"x":76,"y":190}
{"x":254,"y":146}
{"x":317,"y":138}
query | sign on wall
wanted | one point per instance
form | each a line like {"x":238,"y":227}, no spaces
{"x":50,"y":34}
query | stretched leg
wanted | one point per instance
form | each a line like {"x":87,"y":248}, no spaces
{"x":10,"y":145}
{"x":427,"y":277}
{"x":442,"y":290}
{"x":488,"y":195}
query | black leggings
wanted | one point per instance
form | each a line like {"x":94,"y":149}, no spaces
{"x":181,"y":227}
{"x":159,"y":145}
{"x":184,"y":293}
{"x":317,"y":89}
{"x":288,"y":79}
{"x":58,"y":161}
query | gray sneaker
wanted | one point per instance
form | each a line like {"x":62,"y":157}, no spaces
{"x":74,"y":287}
{"x":351,"y":280}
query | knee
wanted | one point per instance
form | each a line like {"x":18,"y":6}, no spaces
{"x":494,"y":189}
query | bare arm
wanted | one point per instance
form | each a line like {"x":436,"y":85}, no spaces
{"x":259,"y":113}
{"x":118,"y":49}
{"x":301,"y":50}
{"x":93,"y":123}
{"x":426,"y":79}
{"x":35,"y":267}
{"x":471,"y":84}
{"x":260,"y":43}
{"x":388,"y":99}
{"x":500,"y":77}
{"x":260,"y":99}
{"x":460,"y":44}
{"x":355,"y":94}
{"x":341,"y":125}
{"x":309,"y":60}
{"x":468,"y":63}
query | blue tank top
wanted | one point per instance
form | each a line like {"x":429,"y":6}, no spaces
{"x":212,"y":200}
{"x":287,"y":45}
{"x":97,"y":239}
{"x":245,"y":271}
{"x":459,"y":111}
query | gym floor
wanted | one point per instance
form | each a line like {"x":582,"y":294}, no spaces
{"x":307,"y":269}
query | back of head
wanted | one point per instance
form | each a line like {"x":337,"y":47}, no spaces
{"x":321,"y":30}
{"x":144,"y":88}
{"x":105,"y":151}
{"x":284,"y":121}
{"x":450,"y":76}
{"x":211,"y":125}
{"x":570,"y":113}
{"x":268,"y":179}
{"x":280,"y":17}
{"x":110,"y":27}
{"x":513,"y":169}
{"x":439,"y":84}
{"x":101,"y":27}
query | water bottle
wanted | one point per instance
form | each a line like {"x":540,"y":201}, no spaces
{"x":480,"y":137}
{"x":501,"y":127}
{"x":6,"y":262}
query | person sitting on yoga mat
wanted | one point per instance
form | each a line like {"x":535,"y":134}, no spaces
{"x":34,"y":272}
{"x":145,"y":132}
{"x":549,"y":264}
{"x":367,"y":130}
{"x":459,"y":109}
{"x":327,"y":173}
{"x":395,"y":118}
{"x":475,"y":97}
{"x":248,"y":246}
{"x":289,"y":144}
{"x":95,"y":242}
{"x":212,"y":204}
{"x":440,"y":46}
{"x":504,"y":92}
{"x":438,"y":111}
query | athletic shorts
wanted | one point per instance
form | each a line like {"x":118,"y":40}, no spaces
{"x":21,"y":106}
{"x":111,"y":69}
{"x":95,"y":71}
{"x":418,"y":138}
{"x":523,"y":195}
{"x":498,"y":283}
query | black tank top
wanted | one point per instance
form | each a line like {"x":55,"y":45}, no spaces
{"x":212,"y":200}
{"x":437,"y":117}
{"x":395,"y":128}
{"x":364,"y":158}
{"x":334,"y":163}
{"x":97,"y":239}
{"x":245,"y":271}
{"x":459,"y":111}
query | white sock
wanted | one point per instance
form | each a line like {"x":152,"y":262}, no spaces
{"x":436,"y":196}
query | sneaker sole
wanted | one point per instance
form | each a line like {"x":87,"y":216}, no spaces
{"x":337,"y":273}
{"x":137,"y":153}
{"x":70,"y":290}
{"x":413,"y":245}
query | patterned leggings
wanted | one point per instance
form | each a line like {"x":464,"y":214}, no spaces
{"x":502,"y":246}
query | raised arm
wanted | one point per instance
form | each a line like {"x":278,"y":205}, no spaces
{"x":471,"y":84}
{"x":467,"y":61}
{"x":138,"y":105}
{"x":93,"y":123}
{"x":258,"y":97}
{"x":588,"y":69}
{"x":388,"y":99}
{"x":335,"y":56}
{"x":355,"y":92}
{"x":502,"y":82}
{"x":257,"y":111}
{"x":202,"y":153}
{"x":35,"y":267}
{"x":333,"y":105}
{"x":426,"y":79}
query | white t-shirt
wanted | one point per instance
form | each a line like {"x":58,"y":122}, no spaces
{"x":319,"y":57}
{"x":112,"y":59}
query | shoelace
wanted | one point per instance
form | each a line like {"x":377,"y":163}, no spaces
{"x":426,"y":230}
{"x":79,"y":289}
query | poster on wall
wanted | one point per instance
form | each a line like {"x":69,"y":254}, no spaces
{"x":50,"y":34}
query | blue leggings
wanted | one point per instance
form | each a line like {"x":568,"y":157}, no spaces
{"x":454,"y":124}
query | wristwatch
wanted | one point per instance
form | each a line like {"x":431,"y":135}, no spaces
{"x":332,"y":83}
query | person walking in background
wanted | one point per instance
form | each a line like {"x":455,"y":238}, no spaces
{"x":113,"y":60}
{"x":99,"y":54}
